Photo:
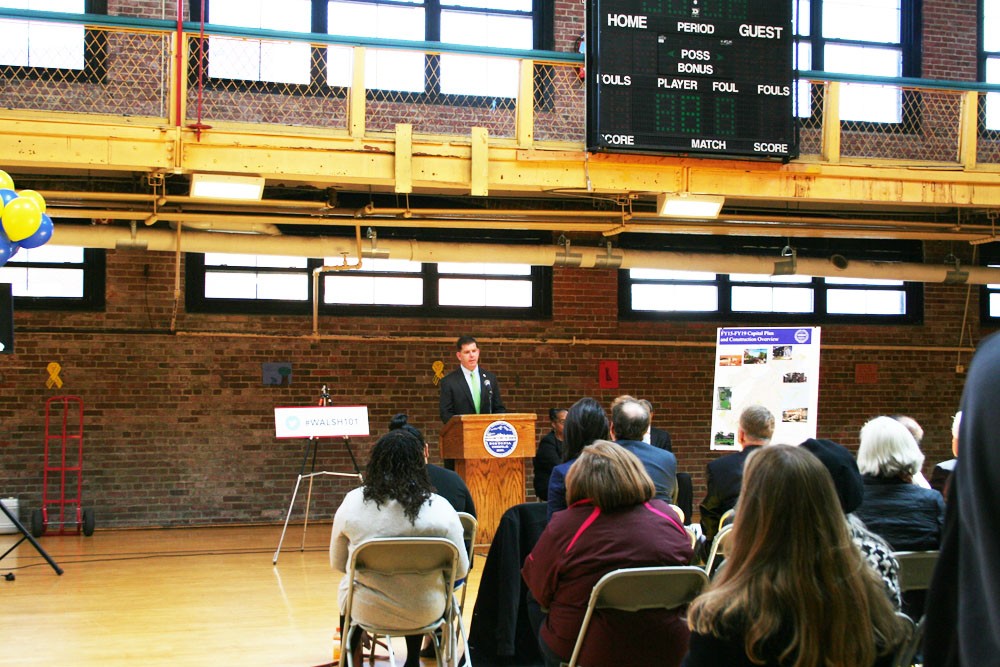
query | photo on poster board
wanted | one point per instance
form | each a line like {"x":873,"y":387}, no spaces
{"x":777,"y":367}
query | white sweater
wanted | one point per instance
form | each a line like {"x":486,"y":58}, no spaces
{"x":403,"y":601}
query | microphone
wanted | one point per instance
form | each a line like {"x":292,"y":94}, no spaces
{"x":489,"y":388}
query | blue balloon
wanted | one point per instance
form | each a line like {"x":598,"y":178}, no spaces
{"x":7,"y":195}
{"x":7,"y":249}
{"x":41,"y":235}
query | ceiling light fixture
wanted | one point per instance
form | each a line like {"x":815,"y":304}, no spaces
{"x":686,"y":205}
{"x":225,"y":186}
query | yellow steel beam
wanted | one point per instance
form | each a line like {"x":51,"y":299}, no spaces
{"x":460,"y":165}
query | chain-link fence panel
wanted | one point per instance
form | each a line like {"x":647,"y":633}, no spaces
{"x":560,"y":102}
{"x":93,"y":70}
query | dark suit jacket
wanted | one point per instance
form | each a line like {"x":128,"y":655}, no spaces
{"x":456,"y":397}
{"x":548,"y":455}
{"x":661,"y":466}
{"x":725,"y":475}
{"x":660,"y":438}
{"x":452,"y":488}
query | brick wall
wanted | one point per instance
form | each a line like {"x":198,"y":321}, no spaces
{"x":179,"y":426}
{"x":179,"y":429}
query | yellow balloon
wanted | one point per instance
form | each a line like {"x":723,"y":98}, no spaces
{"x":6,"y":182}
{"x":35,"y":197}
{"x":21,"y":218}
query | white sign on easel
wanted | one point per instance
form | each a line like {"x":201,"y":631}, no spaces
{"x":321,"y":421}
{"x":777,"y":367}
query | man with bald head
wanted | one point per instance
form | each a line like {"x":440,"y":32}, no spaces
{"x":629,"y":423}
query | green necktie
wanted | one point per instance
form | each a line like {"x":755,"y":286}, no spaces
{"x":474,"y":385}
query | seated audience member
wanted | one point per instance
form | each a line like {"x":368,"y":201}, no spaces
{"x":963,"y":603}
{"x":794,"y":591}
{"x":395,"y":501}
{"x":629,"y":423}
{"x":657,"y":437}
{"x":917,"y":431}
{"x":549,"y":453}
{"x":850,"y":491}
{"x":585,"y":423}
{"x":725,"y":474}
{"x":941,"y":474}
{"x":907,"y":516}
{"x":446,"y":483}
{"x":613,"y":521}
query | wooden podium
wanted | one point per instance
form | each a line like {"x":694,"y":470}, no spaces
{"x":496,"y":482}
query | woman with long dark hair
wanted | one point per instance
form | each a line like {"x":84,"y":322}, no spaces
{"x":586,"y":422}
{"x":395,"y":501}
{"x":795,"y":591}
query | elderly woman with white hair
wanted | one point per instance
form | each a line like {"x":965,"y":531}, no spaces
{"x":907,"y":516}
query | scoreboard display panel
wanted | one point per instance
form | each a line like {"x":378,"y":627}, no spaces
{"x":711,"y":77}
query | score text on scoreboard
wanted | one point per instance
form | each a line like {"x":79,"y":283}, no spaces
{"x":691,"y":76}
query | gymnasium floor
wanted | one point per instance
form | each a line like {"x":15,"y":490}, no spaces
{"x":195,"y":597}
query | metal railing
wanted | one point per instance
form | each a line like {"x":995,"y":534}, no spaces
{"x":121,"y":67}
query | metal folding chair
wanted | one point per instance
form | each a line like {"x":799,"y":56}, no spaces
{"x":916,"y":568}
{"x":399,"y":556}
{"x":718,"y":551}
{"x":634,"y":589}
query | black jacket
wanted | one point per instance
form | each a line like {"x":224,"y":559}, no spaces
{"x":907,"y":516}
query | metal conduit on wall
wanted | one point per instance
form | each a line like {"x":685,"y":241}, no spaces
{"x":607,"y":257}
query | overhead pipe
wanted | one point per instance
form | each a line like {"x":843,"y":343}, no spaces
{"x":162,"y":240}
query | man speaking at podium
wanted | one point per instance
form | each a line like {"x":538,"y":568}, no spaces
{"x":469,"y":390}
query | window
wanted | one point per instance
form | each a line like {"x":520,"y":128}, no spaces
{"x":989,"y":295}
{"x":47,"y":49}
{"x":989,"y":40}
{"x":260,"y":284}
{"x":869,"y":37}
{"x":257,"y":60}
{"x":513,"y":24}
{"x":54,"y":277}
{"x":696,"y":295}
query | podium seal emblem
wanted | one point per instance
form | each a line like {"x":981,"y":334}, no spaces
{"x":500,"y":439}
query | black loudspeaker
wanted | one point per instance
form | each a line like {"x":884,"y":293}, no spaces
{"x":6,"y":319}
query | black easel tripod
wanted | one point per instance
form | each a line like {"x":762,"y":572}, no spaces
{"x":312,"y":444}
{"x":25,"y":535}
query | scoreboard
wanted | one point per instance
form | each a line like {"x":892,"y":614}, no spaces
{"x":712,"y":77}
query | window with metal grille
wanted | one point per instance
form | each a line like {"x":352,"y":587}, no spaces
{"x":989,"y":58}
{"x":867,"y":37}
{"x":512,"y":24}
{"x":47,"y":49}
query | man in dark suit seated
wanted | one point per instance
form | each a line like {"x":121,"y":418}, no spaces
{"x":469,"y":390}
{"x":629,"y":423}
{"x":657,"y":436}
{"x":725,"y":474}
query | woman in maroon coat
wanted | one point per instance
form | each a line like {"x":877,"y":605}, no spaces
{"x":612,"y":522}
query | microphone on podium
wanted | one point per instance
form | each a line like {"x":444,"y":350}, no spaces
{"x":489,"y":388}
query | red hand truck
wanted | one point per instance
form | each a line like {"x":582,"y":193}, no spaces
{"x":62,"y":477}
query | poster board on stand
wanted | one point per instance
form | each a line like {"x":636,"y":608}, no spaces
{"x":777,"y":367}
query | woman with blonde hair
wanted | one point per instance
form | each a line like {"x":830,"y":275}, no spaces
{"x":613,"y":521}
{"x":794,"y":591}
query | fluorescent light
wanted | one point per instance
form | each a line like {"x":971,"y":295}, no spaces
{"x":223,"y":186}
{"x":686,"y":205}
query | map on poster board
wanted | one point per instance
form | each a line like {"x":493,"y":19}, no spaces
{"x":777,"y":367}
